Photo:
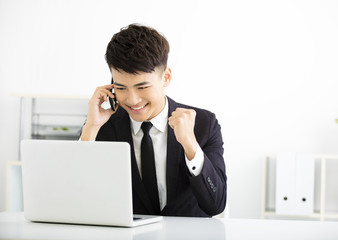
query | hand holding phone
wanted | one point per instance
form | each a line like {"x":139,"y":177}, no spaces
{"x":112,"y":101}
{"x":97,"y":113}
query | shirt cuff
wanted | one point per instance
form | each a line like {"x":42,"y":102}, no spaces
{"x":196,"y":164}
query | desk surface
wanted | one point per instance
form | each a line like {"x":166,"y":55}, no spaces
{"x":14,"y":226}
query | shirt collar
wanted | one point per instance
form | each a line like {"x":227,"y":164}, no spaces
{"x":159,"y":122}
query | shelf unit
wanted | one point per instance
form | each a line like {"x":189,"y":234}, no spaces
{"x":55,"y":118}
{"x":54,"y":131}
{"x":43,"y":116}
{"x":322,"y":214}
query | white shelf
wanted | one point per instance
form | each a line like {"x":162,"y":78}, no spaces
{"x":322,"y":214}
{"x":46,"y":116}
{"x":57,"y":131}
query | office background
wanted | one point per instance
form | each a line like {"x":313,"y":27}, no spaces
{"x":268,"y":69}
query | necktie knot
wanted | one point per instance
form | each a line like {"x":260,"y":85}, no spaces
{"x":146,"y":126}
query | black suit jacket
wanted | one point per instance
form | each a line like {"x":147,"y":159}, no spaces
{"x":198,"y":196}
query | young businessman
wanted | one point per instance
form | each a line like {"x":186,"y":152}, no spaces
{"x":177,"y":166}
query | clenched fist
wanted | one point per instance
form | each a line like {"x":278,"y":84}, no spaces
{"x":182,"y":121}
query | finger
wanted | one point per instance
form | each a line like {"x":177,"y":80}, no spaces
{"x":175,"y":113}
{"x":175,"y":121}
{"x":192,"y":113}
{"x":111,"y":110}
{"x":109,"y":86}
{"x":104,"y":93}
{"x":171,"y":125}
{"x":106,"y":87}
{"x":179,"y":111}
{"x":185,"y":112}
{"x":170,"y":122}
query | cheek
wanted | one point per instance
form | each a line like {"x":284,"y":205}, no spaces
{"x":158,"y":91}
{"x":120,"y":96}
{"x":153,"y":96}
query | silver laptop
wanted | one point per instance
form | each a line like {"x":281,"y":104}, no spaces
{"x":79,"y":182}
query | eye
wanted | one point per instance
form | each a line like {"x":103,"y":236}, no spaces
{"x":120,"y":88}
{"x":144,"y":87}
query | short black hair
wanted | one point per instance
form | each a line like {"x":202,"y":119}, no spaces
{"x":137,"y":48}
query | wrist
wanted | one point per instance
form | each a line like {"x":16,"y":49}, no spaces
{"x":89,"y":132}
{"x":190,"y":149}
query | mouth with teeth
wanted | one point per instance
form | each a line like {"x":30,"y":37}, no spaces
{"x":138,"y":109}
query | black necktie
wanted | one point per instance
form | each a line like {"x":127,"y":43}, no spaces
{"x":148,"y":167}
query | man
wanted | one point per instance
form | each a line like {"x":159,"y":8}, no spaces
{"x":183,"y":173}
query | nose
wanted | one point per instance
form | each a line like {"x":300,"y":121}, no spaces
{"x":133,"y":98}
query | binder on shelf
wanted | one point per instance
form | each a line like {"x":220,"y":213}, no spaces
{"x":305,"y":169}
{"x":285,"y":183}
{"x":294,"y":184}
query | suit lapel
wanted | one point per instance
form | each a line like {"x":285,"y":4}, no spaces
{"x":174,"y":156}
{"x":123,"y":131}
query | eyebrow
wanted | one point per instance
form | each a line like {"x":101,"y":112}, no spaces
{"x":136,"y":85}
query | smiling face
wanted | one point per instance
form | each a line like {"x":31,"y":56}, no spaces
{"x":141,"y":95}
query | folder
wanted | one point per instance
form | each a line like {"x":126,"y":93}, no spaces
{"x":295,"y":184}
{"x":285,"y":183}
{"x":305,"y":169}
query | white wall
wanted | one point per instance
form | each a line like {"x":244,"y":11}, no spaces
{"x":268,"y":69}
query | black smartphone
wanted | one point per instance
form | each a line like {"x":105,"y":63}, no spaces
{"x":112,"y":101}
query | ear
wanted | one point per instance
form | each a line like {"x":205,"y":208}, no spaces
{"x":167,"y":77}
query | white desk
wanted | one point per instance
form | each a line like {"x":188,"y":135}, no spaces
{"x":14,"y":226}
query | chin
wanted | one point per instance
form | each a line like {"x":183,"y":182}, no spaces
{"x":138,"y":118}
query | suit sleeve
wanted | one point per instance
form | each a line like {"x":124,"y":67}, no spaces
{"x":209,"y":187}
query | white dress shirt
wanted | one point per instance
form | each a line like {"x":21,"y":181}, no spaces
{"x":159,"y":134}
